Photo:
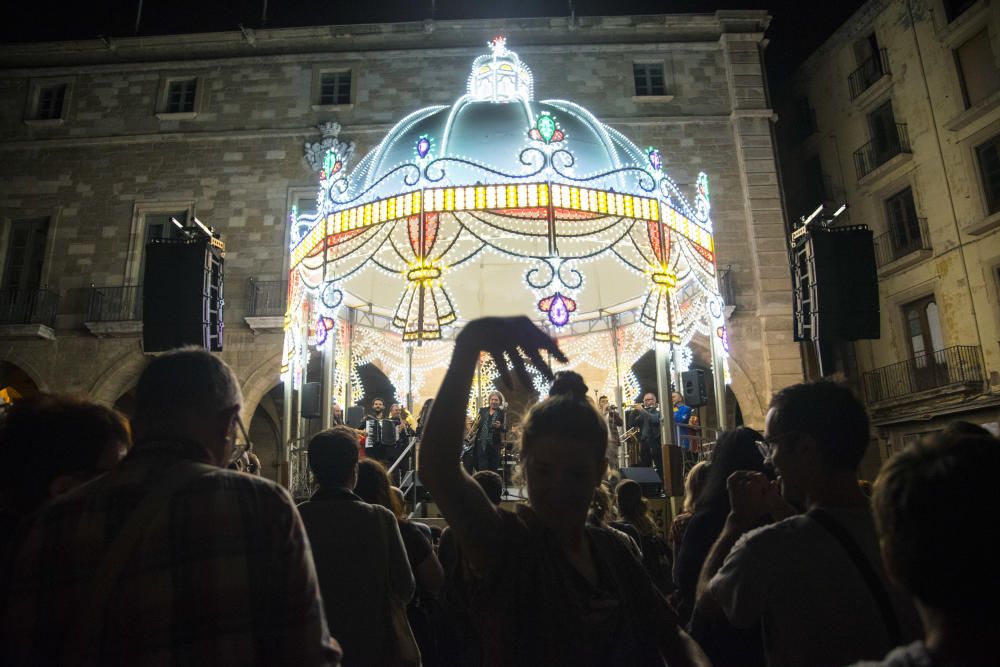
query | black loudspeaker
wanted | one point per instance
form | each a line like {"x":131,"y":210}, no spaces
{"x":648,"y":479}
{"x":835,"y":283}
{"x":695,"y":391}
{"x":312,"y":400}
{"x":182,"y":294}
{"x":355,"y":417}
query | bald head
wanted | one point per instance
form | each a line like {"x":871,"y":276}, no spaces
{"x":187,"y":394}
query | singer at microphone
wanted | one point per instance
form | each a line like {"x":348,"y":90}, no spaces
{"x":492,"y":423}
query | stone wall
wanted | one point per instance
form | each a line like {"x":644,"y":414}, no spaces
{"x":959,"y":265}
{"x":238,"y":161}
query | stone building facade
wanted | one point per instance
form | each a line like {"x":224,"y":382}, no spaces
{"x":897,"y":115}
{"x":102,"y":141}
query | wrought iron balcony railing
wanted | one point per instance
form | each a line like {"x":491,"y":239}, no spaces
{"x":877,"y":152}
{"x":266,"y":298}
{"x":868,"y":72}
{"x":115,"y":304}
{"x":28,"y":306}
{"x":901,"y":241}
{"x":952,"y":366}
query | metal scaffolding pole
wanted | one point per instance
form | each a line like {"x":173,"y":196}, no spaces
{"x":664,"y":364}
{"x":329,"y":376}
{"x":618,"y":371}
{"x":286,"y":428}
{"x":719,"y":383}
{"x":349,"y":371}
{"x":409,"y":378}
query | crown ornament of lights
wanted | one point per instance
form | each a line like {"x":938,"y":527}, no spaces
{"x":541,"y":193}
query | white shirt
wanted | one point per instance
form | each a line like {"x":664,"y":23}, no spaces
{"x":814,"y":605}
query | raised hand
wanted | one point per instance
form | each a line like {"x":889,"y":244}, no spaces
{"x":510,"y":341}
{"x":751,"y":495}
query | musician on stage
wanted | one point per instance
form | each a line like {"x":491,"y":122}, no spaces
{"x":373,"y":431}
{"x":405,"y":426}
{"x":614,"y":420}
{"x":647,"y":418}
{"x":487,"y":434}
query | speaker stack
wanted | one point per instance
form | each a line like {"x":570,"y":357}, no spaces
{"x":835,"y":283}
{"x":182,"y":293}
{"x":695,"y":388}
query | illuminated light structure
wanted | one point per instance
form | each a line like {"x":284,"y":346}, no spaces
{"x":501,"y":204}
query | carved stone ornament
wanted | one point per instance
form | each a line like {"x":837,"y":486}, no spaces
{"x":315,"y":152}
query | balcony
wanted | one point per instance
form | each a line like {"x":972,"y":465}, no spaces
{"x":868,"y":73}
{"x":115,"y":311}
{"x":28,"y":313}
{"x":878,"y":152}
{"x":894,"y":251}
{"x":266,"y":304}
{"x":926,"y":376}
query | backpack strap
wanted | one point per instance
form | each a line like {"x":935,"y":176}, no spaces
{"x":865,"y":569}
{"x":86,"y":634}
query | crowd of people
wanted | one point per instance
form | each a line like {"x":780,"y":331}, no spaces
{"x":155,"y":540}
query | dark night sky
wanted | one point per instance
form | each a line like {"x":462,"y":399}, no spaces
{"x":796,"y":29}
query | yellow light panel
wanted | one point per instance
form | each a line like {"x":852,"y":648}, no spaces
{"x":523,"y":195}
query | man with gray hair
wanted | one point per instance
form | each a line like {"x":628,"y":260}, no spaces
{"x":169,"y":558}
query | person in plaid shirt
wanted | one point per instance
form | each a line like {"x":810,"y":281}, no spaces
{"x":213,"y":568}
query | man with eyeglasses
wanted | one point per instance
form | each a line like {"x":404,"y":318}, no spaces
{"x":814,"y":581}
{"x":169,"y":558}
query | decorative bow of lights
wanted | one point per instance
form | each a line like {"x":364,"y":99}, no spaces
{"x":427,"y":215}
{"x":425,"y":307}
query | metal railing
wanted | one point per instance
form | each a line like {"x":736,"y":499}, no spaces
{"x":726,"y":286}
{"x":301,"y":484}
{"x":868,"y":72}
{"x":877,"y":152}
{"x":266,"y":298}
{"x":961,"y":364}
{"x":893,"y":244}
{"x":28,"y":306}
{"x":115,"y":304}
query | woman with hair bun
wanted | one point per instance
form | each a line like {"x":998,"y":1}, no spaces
{"x":546,"y":588}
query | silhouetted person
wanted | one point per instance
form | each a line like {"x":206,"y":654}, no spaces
{"x":935,"y":506}
{"x":814,"y":580}
{"x":550,"y":589}
{"x":359,"y":554}
{"x":169,"y":559}
{"x":50,"y":445}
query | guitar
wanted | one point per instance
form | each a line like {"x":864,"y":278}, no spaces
{"x":470,"y":438}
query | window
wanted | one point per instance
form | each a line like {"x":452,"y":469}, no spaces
{"x":334,"y":88}
{"x":904,"y":227}
{"x":865,"y":48}
{"x":25,"y":254}
{"x":977,"y":69}
{"x":180,"y":96}
{"x":923,"y":329}
{"x":885,"y":138}
{"x":649,"y":81}
{"x":50,"y":102}
{"x":306,"y":206}
{"x":159,"y":226}
{"x":955,"y":8}
{"x":988,"y":155}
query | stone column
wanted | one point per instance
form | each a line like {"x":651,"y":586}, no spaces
{"x":765,"y":346}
